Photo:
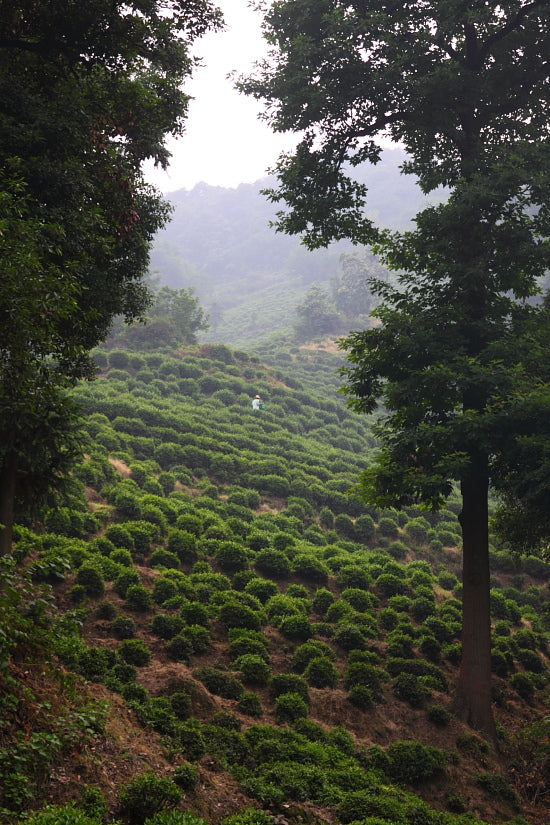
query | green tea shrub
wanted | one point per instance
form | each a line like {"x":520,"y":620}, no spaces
{"x":119,"y":536}
{"x":280,"y":605}
{"x":101,"y":545}
{"x":250,"y":704}
{"x":339,"y":611}
{"x":262,"y":589}
{"x":283,"y":541}
{"x":308,"y":651}
{"x":497,"y":786}
{"x":179,"y":648}
{"x":106,"y":610}
{"x":68,"y":814}
{"x":123,"y":627}
{"x":443,"y":631}
{"x":309,"y":567}
{"x":499,"y":663}
{"x":248,"y":816}
{"x":359,"y":599}
{"x":344,"y":526}
{"x":296,"y":627}
{"x":94,"y":662}
{"x":530,"y":660}
{"x":397,"y":549}
{"x":231,"y":557}
{"x":370,"y":807}
{"x":257,"y":540}
{"x":525,"y":639}
{"x":254,"y":669}
{"x":164,"y":558}
{"x":412,"y":762}
{"x":122,"y":557}
{"x":349,"y":637}
{"x":273,"y":563}
{"x":197,"y":636}
{"x":181,"y":704}
{"x":388,"y":584}
{"x":289,"y":683}
{"x":322,"y":600}
{"x":439,"y":715}
{"x":91,"y":578}
{"x":400,"y":645}
{"x":523,"y":685}
{"x":166,"y":625}
{"x":417,"y":531}
{"x":289,"y":707}
{"x":163,"y":589}
{"x":195,"y":613}
{"x":387,"y":618}
{"x":352,"y":575}
{"x":388,"y":527}
{"x":418,"y":667}
{"x":241,"y":579}
{"x":365,"y":674}
{"x":138,"y":598}
{"x":219,"y":682}
{"x":242,"y":641}
{"x":361,"y":697}
{"x":453,"y":653}
{"x":408,"y":688}
{"x":430,"y":648}
{"x":187,"y":778}
{"x":134,"y":652}
{"x":402,"y":604}
{"x":447,"y":580}
{"x":234,"y":614}
{"x":321,"y":673}
{"x":145,"y":795}
{"x":126,"y":579}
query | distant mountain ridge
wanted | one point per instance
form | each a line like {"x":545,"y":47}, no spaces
{"x":220,"y":241}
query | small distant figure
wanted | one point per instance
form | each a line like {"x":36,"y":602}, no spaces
{"x":257,"y":403}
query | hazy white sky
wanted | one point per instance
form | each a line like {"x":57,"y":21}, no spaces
{"x":225,"y":144}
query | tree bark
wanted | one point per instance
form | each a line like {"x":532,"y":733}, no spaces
{"x":472,"y":700}
{"x":8,"y":483}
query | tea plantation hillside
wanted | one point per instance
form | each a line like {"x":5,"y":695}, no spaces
{"x":213,"y":630}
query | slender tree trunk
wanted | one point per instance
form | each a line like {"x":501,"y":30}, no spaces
{"x":472,"y":701}
{"x":8,"y":479}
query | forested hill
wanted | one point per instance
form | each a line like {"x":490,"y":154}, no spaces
{"x":230,"y":634}
{"x":220,"y":242}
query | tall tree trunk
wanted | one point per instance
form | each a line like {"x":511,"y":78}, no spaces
{"x":472,"y":700}
{"x":8,"y":480}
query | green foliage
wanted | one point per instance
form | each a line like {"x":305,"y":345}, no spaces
{"x":220,"y":683}
{"x":145,"y":795}
{"x":411,"y":762}
{"x":135,"y":652}
{"x":320,"y":672}
{"x":289,"y":707}
{"x":254,"y":669}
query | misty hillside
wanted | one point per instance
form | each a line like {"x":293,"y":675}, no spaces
{"x":248,"y":276}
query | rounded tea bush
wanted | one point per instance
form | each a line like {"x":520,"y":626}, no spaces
{"x":134,"y":652}
{"x":296,"y":627}
{"x":179,"y":649}
{"x":138,"y":598}
{"x":412,"y":762}
{"x":321,"y":673}
{"x":146,"y":795}
{"x":250,"y":704}
{"x":186,"y":777}
{"x":289,"y":707}
{"x":254,"y":669}
{"x":123,"y":627}
{"x":91,"y":578}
